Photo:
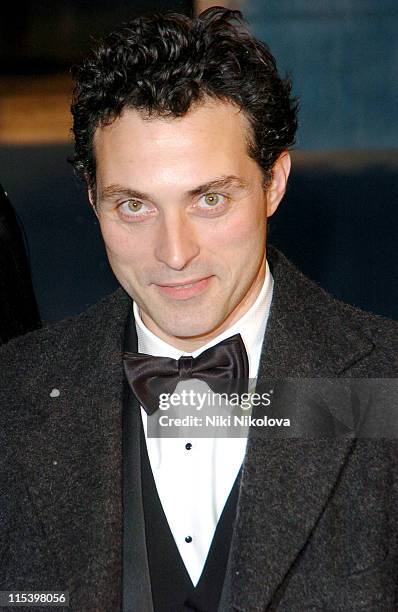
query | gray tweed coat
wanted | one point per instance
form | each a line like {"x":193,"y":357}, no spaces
{"x":316,"y":526}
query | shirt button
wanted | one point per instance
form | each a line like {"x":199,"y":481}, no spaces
{"x":188,"y":539}
{"x":188,"y":446}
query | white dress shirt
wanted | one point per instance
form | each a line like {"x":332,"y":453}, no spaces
{"x":194,"y":476}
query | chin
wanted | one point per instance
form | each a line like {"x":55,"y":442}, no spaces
{"x":188,"y":331}
{"x":184,"y":320}
{"x":188,"y":327}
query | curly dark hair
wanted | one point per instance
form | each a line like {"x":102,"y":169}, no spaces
{"x":162,"y":64}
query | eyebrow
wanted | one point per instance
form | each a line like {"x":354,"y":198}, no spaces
{"x":112,"y":191}
{"x":223,"y":182}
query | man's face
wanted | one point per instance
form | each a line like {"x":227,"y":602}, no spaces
{"x":182,"y":209}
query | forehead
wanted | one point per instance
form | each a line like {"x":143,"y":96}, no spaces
{"x":212,"y":133}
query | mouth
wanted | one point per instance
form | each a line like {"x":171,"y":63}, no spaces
{"x":186,"y":289}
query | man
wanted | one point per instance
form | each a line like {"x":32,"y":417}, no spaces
{"x":182,"y":129}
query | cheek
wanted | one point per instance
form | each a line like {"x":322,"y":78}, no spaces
{"x":242,"y":232}
{"x":120,"y":242}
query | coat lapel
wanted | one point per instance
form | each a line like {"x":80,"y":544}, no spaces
{"x":136,"y":578}
{"x":286,"y":483}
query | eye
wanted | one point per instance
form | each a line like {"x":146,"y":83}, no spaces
{"x":212,"y":204}
{"x":131,"y":209}
{"x":212,"y":200}
{"x":134,"y":206}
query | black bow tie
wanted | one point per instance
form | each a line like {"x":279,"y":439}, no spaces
{"x":224,"y":367}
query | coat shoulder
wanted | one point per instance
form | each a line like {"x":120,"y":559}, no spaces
{"x":27,"y":357}
{"x":306,"y":312}
{"x":382,"y":333}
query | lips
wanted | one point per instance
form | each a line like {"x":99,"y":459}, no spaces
{"x":186,"y":289}
{"x":187,"y":283}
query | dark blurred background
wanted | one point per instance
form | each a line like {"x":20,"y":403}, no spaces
{"x":46,"y":36}
{"x":340,"y":216}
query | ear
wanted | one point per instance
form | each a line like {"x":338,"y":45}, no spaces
{"x":276,"y":190}
{"x":92,"y":200}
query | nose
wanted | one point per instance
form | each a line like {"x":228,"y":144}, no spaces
{"x":177,"y":243}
